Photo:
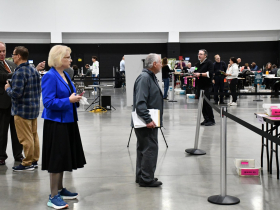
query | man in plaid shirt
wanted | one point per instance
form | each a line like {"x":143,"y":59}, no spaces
{"x":25,"y":91}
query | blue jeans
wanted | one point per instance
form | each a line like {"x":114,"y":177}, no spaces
{"x":166,"y":86}
{"x":95,"y":79}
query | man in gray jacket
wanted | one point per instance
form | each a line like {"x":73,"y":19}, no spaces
{"x":147,"y":95}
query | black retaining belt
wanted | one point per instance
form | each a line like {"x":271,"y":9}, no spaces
{"x":245,"y":124}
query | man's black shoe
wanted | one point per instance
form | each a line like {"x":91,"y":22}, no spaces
{"x":149,"y":184}
{"x":2,"y":162}
{"x":216,"y":102}
{"x":222,"y":102}
{"x":137,"y":181}
{"x":203,"y":123}
{"x":210,"y":123}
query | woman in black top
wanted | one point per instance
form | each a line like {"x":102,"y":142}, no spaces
{"x":165,"y":76}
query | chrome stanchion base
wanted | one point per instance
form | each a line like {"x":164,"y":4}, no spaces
{"x":195,"y":151}
{"x":223,"y":200}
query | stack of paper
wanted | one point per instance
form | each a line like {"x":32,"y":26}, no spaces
{"x":140,"y":123}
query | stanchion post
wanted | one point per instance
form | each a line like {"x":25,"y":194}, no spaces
{"x":223,"y":198}
{"x":172,"y":100}
{"x":195,"y":150}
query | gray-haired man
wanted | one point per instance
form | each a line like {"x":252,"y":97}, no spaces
{"x":147,"y":95}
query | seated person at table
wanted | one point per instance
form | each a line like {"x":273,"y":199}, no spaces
{"x":246,"y":66}
{"x":189,"y":65}
{"x":274,"y":70}
{"x":87,"y":67}
{"x":268,"y":68}
{"x":254,"y":67}
{"x":89,"y":71}
{"x":180,"y":65}
{"x":76,"y":69}
{"x":274,"y":84}
{"x":268,"y":83}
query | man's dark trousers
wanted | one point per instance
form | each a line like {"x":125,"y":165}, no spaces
{"x":8,"y":120}
{"x":219,"y":87}
{"x":207,"y":110}
{"x":147,"y":153}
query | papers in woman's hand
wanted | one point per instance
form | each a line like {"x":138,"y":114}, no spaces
{"x":140,"y":123}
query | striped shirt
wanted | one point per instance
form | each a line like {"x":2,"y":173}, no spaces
{"x":25,"y":92}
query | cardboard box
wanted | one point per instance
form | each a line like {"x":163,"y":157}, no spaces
{"x":244,"y":163}
{"x":248,"y":171}
{"x":246,"y":167}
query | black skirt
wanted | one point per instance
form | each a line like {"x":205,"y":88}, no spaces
{"x":62,"y":147}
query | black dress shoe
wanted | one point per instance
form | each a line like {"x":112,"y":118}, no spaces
{"x":149,"y":184}
{"x":216,"y":102}
{"x":137,"y":181}
{"x":19,"y":159}
{"x":203,"y":123}
{"x":2,"y":162}
{"x":222,"y":102}
{"x":210,"y":123}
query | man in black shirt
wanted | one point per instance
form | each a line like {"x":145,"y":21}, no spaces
{"x":239,"y":63}
{"x":218,"y":80}
{"x":204,"y":73}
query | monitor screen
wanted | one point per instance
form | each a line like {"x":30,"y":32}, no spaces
{"x":187,"y":58}
{"x":30,"y":61}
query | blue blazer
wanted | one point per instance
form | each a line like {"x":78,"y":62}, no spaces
{"x":55,"y":94}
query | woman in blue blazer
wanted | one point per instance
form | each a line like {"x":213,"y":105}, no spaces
{"x":62,"y":146}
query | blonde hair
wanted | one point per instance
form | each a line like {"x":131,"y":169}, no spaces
{"x":56,"y":54}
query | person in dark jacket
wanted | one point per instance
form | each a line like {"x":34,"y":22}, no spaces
{"x":254,"y":67}
{"x":204,"y":72}
{"x":147,"y":95}
{"x":88,"y":71}
{"x":6,"y":119}
{"x":274,"y":70}
{"x":70,"y":71}
{"x":165,"y":76}
{"x":76,"y":70}
{"x":220,"y":69}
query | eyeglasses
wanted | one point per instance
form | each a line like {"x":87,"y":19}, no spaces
{"x":69,"y":57}
{"x":13,"y":55}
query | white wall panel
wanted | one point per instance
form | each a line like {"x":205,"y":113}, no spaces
{"x":25,"y":37}
{"x":114,"y":37}
{"x":231,"y":36}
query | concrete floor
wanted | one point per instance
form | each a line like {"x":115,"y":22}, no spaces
{"x":107,"y":181}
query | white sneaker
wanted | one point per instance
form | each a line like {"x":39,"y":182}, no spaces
{"x":93,"y":92}
{"x":229,"y":103}
{"x":233,"y":104}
